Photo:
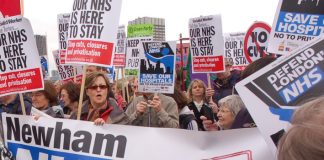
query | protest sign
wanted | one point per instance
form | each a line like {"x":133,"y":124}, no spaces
{"x":63,"y":26}
{"x":206,"y":44}
{"x":156,"y":72}
{"x":59,"y":139}
{"x":134,"y":49}
{"x":110,"y":73}
{"x":120,"y":48}
{"x":139,"y":30}
{"x":274,"y":92}
{"x":92,"y":30}
{"x":44,"y":64}
{"x":295,"y":23}
{"x":233,"y":46}
{"x":256,"y":41}
{"x":20,"y":68}
{"x":9,"y":8}
{"x":66,"y":72}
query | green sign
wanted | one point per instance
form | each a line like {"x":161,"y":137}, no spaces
{"x":140,"y":30}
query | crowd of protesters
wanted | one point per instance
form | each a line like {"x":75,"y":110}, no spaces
{"x":200,"y":108}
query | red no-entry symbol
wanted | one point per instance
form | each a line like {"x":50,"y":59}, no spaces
{"x":256,"y":41}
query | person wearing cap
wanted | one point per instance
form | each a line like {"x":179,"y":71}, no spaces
{"x":224,"y":83}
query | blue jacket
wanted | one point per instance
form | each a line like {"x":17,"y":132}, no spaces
{"x":14,"y":107}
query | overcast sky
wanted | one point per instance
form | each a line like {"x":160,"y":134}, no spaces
{"x":237,"y":15}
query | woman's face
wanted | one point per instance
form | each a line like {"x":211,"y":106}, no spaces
{"x":98,"y":92}
{"x":65,"y":97}
{"x":135,"y":87}
{"x":114,"y":89}
{"x":197,"y":90}
{"x":39,"y":100}
{"x":226,"y":117}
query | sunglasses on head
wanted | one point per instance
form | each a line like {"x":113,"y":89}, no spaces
{"x":96,"y":87}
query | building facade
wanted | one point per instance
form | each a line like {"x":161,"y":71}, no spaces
{"x":41,"y":44}
{"x":158,"y":23}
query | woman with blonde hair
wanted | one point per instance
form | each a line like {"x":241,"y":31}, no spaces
{"x":198,"y":102}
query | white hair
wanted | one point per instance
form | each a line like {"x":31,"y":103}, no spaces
{"x":233,"y":102}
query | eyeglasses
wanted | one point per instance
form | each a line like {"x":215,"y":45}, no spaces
{"x":102,"y":87}
{"x":224,"y":111}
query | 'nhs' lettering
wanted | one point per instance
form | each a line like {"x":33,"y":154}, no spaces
{"x":301,"y":85}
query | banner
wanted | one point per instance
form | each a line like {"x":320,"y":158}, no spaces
{"x":156,"y":72}
{"x":134,"y":49}
{"x":206,"y":44}
{"x":274,"y":92}
{"x":296,"y":22}
{"x":63,"y":26}
{"x":20,"y":68}
{"x":120,"y":48}
{"x":233,"y":46}
{"x":91,"y":33}
{"x":66,"y":72}
{"x":9,"y":8}
{"x":70,"y":140}
{"x":140,"y":30}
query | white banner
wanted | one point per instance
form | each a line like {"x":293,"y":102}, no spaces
{"x":63,"y":26}
{"x":92,"y":32}
{"x":67,"y":71}
{"x":62,"y":139}
{"x":134,"y":48}
{"x":120,"y":48}
{"x":233,"y":46}
{"x":20,"y":68}
{"x":207,"y":44}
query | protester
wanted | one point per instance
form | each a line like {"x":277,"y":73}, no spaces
{"x":224,"y":83}
{"x":229,"y":107}
{"x":117,"y":90}
{"x":98,"y":107}
{"x":46,"y":100}
{"x":58,"y":85}
{"x":256,"y":65}
{"x":11,"y":104}
{"x":153,"y":111}
{"x":187,"y":119}
{"x":70,"y":95}
{"x":92,"y":68}
{"x":134,"y":86}
{"x":198,"y":102}
{"x":244,"y":119}
{"x":305,"y":138}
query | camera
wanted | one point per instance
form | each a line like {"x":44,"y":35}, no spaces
{"x":207,"y":112}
